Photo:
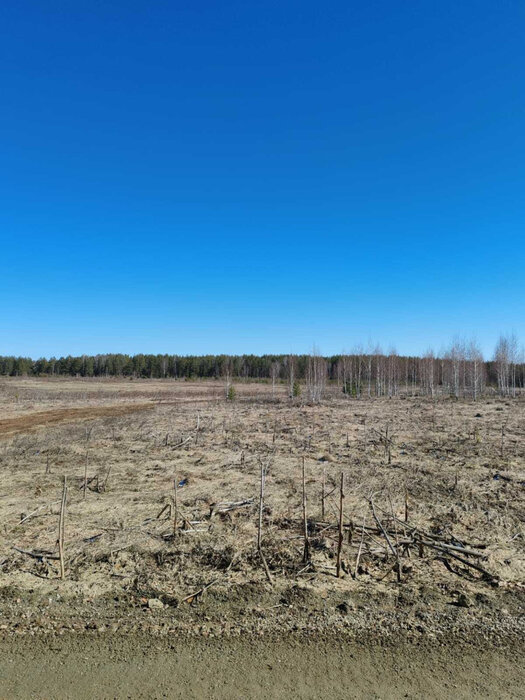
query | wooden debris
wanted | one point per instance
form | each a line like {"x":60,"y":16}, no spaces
{"x":36,"y":554}
{"x":61,"y":529}
{"x":227,"y":506}
{"x":193,"y":596}
{"x":259,"y":525}
{"x":340,"y":537}
{"x":306,"y":552}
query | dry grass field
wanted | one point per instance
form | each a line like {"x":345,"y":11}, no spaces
{"x":432,"y":539}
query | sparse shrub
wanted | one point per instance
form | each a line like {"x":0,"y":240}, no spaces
{"x":350,"y":389}
{"x":231,"y":393}
{"x":296,"y":391}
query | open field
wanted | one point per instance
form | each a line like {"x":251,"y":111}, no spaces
{"x":433,"y":536}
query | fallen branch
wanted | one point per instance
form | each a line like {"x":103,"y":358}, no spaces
{"x":192,"y":596}
{"x":183,"y":442}
{"x":462,"y":560}
{"x":227,"y":506}
{"x":380,"y":525}
{"x":358,"y":557}
{"x":42,"y":554}
{"x":46,"y":505}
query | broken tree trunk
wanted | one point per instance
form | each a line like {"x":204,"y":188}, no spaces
{"x":306,"y":552}
{"x":340,"y":537}
{"x":61,"y":529}
{"x":259,"y":526}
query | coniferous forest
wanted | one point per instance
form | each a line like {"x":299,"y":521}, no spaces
{"x":461,"y":370}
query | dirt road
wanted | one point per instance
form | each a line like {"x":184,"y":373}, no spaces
{"x":39,"y":419}
{"x":112,"y":666}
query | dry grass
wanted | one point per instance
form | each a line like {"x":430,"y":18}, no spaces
{"x":464,"y":484}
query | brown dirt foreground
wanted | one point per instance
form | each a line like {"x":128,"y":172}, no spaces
{"x":285,"y":667}
{"x":29,"y":423}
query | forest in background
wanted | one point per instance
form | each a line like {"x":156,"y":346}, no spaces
{"x":459,"y":371}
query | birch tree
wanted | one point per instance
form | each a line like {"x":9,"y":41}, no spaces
{"x":316,"y":370}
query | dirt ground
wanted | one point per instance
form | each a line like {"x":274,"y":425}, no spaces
{"x":432,"y":554}
{"x":39,"y":419}
{"x":139,"y":667}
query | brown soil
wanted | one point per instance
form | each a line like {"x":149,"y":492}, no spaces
{"x":107,"y":666}
{"x":40,"y":419}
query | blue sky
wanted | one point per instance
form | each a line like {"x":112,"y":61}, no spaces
{"x":259,"y":177}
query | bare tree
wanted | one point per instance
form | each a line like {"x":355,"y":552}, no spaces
{"x":274,"y":372}
{"x":228,"y":376}
{"x":506,"y":357}
{"x":346,"y":371}
{"x":393,"y":370}
{"x":369,"y":373}
{"x":514,"y":359}
{"x":476,"y":370}
{"x":316,"y":371}
{"x":502,"y":360}
{"x":428,"y":376}
{"x":455,"y":358}
{"x":290,"y":362}
{"x":358,"y":372}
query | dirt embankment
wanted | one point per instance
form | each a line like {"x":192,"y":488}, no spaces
{"x":40,"y":419}
{"x":284,"y":667}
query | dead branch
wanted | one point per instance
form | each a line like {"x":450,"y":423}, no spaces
{"x":227,"y":506}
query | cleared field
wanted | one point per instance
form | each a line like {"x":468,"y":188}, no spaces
{"x":430,"y":538}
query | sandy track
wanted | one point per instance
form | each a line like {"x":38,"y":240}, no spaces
{"x":34,"y":421}
{"x":299,"y":667}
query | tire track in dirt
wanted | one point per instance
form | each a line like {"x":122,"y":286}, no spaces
{"x":33,"y":421}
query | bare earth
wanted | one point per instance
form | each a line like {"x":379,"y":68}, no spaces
{"x":146,"y":612}
{"x":40,"y":419}
{"x":140,"y":667}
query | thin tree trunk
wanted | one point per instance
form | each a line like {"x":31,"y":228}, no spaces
{"x":259,"y":527}
{"x":61,"y":529}
{"x":340,"y":537}
{"x":356,"y":572}
{"x":306,"y":553}
{"x":323,"y":495}
{"x":175,"y":507}
{"x":86,"y":472}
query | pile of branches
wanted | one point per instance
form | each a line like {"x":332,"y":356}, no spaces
{"x":394,"y":540}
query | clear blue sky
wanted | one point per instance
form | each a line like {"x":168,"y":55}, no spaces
{"x":260,"y":176}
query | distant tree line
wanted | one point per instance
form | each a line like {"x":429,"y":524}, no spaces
{"x":459,"y":371}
